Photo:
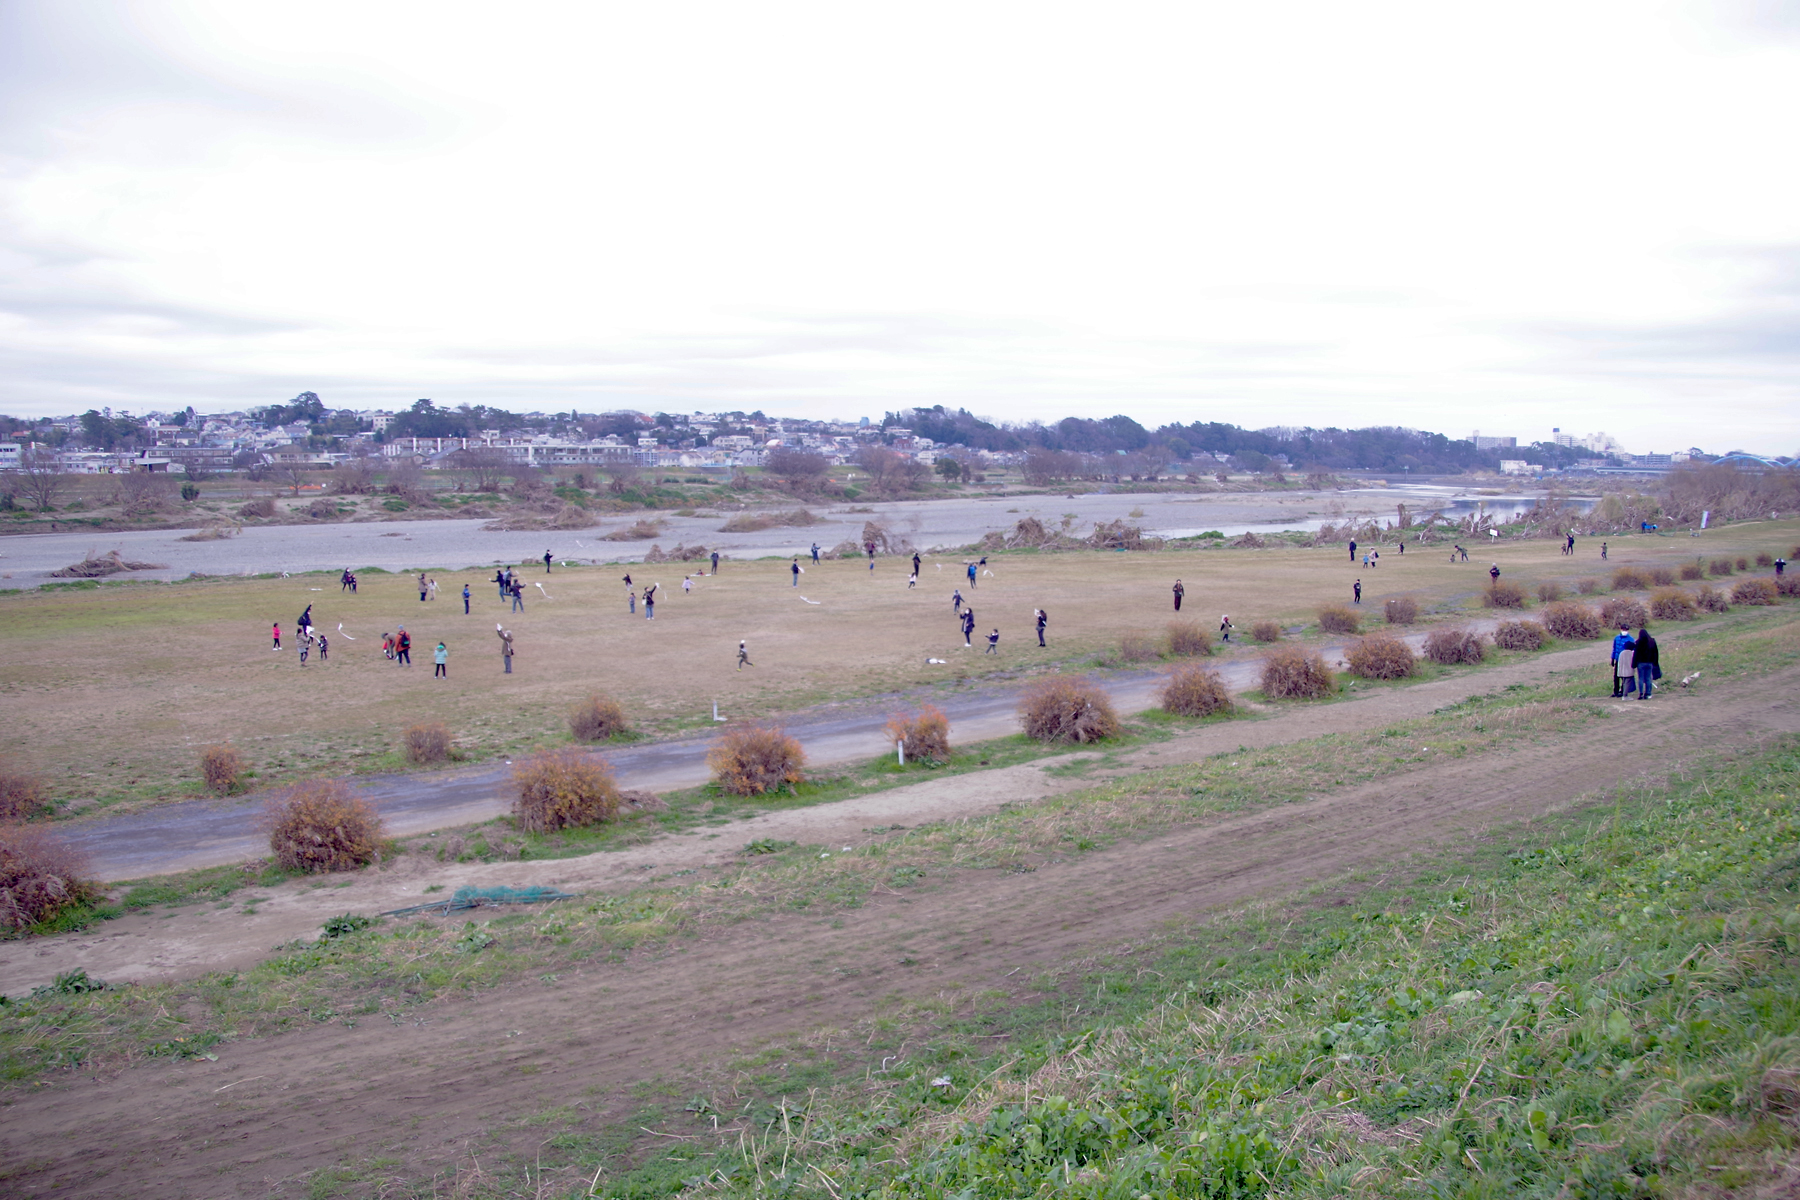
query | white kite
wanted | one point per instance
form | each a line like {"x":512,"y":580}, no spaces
{"x":347,"y":637}
{"x":812,"y":601}
{"x":540,"y":587}
{"x":938,"y":662}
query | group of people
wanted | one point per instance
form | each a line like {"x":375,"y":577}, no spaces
{"x":305,"y":637}
{"x":1645,"y":667}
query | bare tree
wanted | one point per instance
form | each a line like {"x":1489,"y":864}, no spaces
{"x":41,"y":478}
{"x":623,"y":476}
{"x":485,"y":465}
{"x":880,"y":463}
{"x":293,"y":473}
{"x":801,"y":470}
{"x":354,"y":478}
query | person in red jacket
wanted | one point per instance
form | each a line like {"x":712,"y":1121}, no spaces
{"x":403,"y":647}
{"x":275,"y":632}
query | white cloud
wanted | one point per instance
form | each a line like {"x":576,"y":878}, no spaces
{"x":1419,"y":214}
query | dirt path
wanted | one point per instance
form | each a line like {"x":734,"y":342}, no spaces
{"x":417,"y":1093}
{"x":146,"y":947}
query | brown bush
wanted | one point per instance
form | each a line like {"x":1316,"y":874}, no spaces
{"x":561,"y":789}
{"x":1381,"y":656}
{"x":1710,"y":599}
{"x":321,"y":825}
{"x":262,"y":506}
{"x":1549,"y":593}
{"x":924,"y":734}
{"x":1754,"y":591}
{"x":23,"y":793}
{"x":1693,"y":570}
{"x":1501,"y":594}
{"x":1400,"y":610}
{"x":1266,"y":631}
{"x":1743,"y":564}
{"x":1194,"y":691}
{"x":40,"y":876}
{"x":428,"y":742}
{"x":1137,"y":646}
{"x":1719,"y":566}
{"x":222,"y":769}
{"x":596,"y":719}
{"x":1453,"y":645}
{"x":1672,"y":604}
{"x":1662,"y":577}
{"x":1788,"y":585}
{"x":1519,"y":635}
{"x":1338,"y":619}
{"x":1588,"y":587}
{"x":1067,"y":708}
{"x":1624,"y":611}
{"x":750,"y":759}
{"x":1189,"y":639}
{"x":1291,"y":673}
{"x":1576,"y":622}
{"x":1627,"y":579}
{"x":1765,"y":559}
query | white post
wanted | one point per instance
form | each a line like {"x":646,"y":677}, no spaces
{"x":900,"y":748}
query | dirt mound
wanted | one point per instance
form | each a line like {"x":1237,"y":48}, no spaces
{"x":110,"y":563}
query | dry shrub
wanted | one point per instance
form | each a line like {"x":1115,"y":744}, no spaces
{"x":562,"y":788}
{"x":751,"y":758}
{"x":1575,"y":622}
{"x":1622,"y":611}
{"x":1192,"y":690}
{"x":1588,"y":587}
{"x":1067,"y":708}
{"x":1189,"y":639}
{"x":1453,"y":645}
{"x":40,"y":875}
{"x":1291,"y":673}
{"x":322,"y":509}
{"x":262,"y":506}
{"x":924,"y":734}
{"x":641,"y":801}
{"x":1719,"y":566}
{"x":1765,"y":559}
{"x":1743,"y":564}
{"x":1693,"y":571}
{"x":22,"y":793}
{"x":428,"y":742}
{"x":1519,"y":635}
{"x":1549,"y":593}
{"x":1266,"y":631}
{"x":638,"y":531}
{"x":596,"y":719}
{"x":1662,"y":577}
{"x":1381,"y":656}
{"x":1628,"y":579}
{"x":222,"y":768}
{"x":1788,"y":585}
{"x":1711,"y":599}
{"x":1501,"y":594}
{"x":1672,"y":604}
{"x":321,"y":825}
{"x":1754,"y":591}
{"x":1401,"y":610}
{"x":1337,"y":619}
{"x":1137,"y":646}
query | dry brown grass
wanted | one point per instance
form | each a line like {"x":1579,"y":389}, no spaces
{"x":1588,"y":587}
{"x":222,"y":769}
{"x":40,"y":875}
{"x":1628,"y":579}
{"x":1194,"y":691}
{"x":751,"y":759}
{"x":1692,"y":571}
{"x":1575,"y":622}
{"x":1661,"y":577}
{"x":1672,"y":604}
{"x":1137,"y":646}
{"x":1381,"y":656}
{"x":1266,"y":631}
{"x":597,"y":718}
{"x":1291,"y":673}
{"x":426,"y":742}
{"x":1754,"y":591}
{"x":262,"y":506}
{"x":1067,"y":708}
{"x":1453,"y":644}
{"x":1710,"y":599}
{"x":1503,"y":594}
{"x":563,"y":788}
{"x":1549,"y":593}
{"x":1519,"y":635}
{"x":1189,"y":639}
{"x":23,"y":793}
{"x":924,"y":735}
{"x":321,"y":825}
{"x":1719,"y":566}
{"x":1622,"y":610}
{"x":1400,"y":610}
{"x":1788,"y":585}
{"x":1335,"y":618}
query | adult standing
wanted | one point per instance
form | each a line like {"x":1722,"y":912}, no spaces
{"x":1780,"y":567}
{"x":403,"y":647}
{"x":968,"y":626}
{"x":500,"y":583}
{"x":1043,"y":619}
{"x":546,"y":562}
{"x":650,"y":602}
{"x":422,"y":587}
{"x":440,"y":662}
{"x":1352,"y":549}
{"x":794,"y":567}
{"x":518,"y":595}
{"x":1179,"y":593}
{"x":1602,"y":551}
{"x":305,"y":621}
{"x":506,"y":646}
{"x":971,"y":577}
{"x":465,"y":599}
{"x":1620,"y":644}
{"x":815,"y":554}
{"x":1646,"y":662}
{"x":916,"y":561}
{"x":715,"y":562}
{"x":1569,"y":546}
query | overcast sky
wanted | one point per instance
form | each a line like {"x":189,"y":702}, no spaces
{"x":1447,"y":216}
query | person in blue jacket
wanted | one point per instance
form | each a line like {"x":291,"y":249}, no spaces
{"x":1621,"y":643}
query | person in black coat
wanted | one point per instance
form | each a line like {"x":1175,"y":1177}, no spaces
{"x":1645,"y":662}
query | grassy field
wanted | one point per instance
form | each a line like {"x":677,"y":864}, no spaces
{"x":112,"y":690}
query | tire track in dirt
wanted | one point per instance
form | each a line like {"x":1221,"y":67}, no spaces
{"x":420,"y":1091}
